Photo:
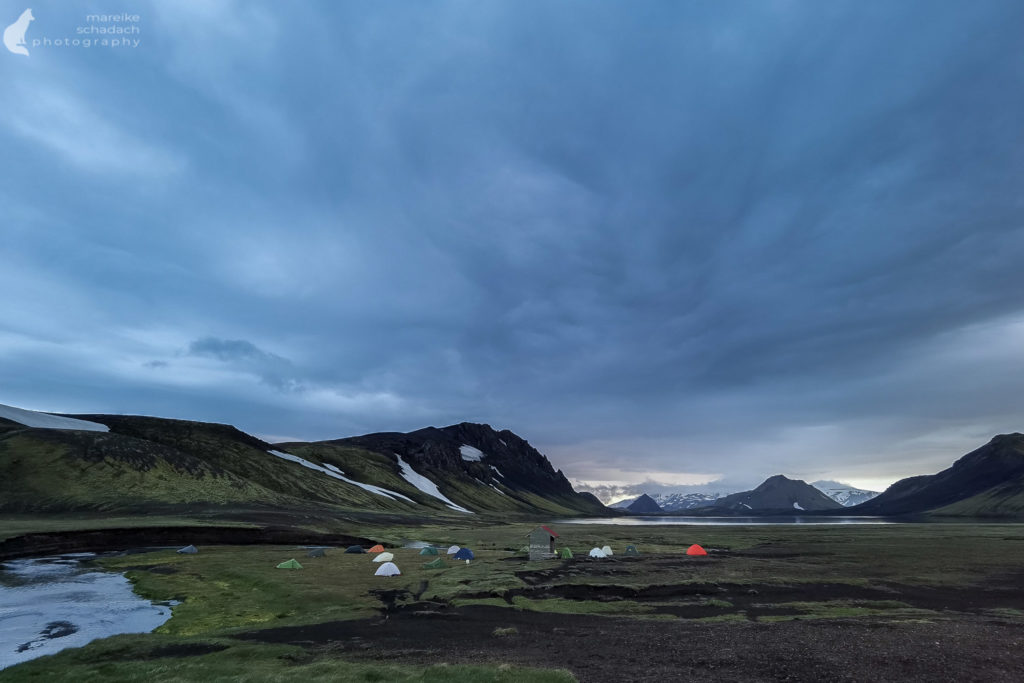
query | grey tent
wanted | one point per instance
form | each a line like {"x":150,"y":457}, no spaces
{"x":189,"y":550}
{"x":355,"y":549}
{"x":388,"y":569}
{"x":631,"y":550}
{"x":315,"y":552}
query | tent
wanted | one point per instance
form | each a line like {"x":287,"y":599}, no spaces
{"x":316,"y":552}
{"x":429,"y":550}
{"x":438,"y":563}
{"x":384,"y":557}
{"x":376,"y":549}
{"x":189,"y":550}
{"x":607,"y":550}
{"x":353,"y":549}
{"x":597,"y":552}
{"x":464,"y":554}
{"x":696,"y":550}
{"x":387,"y":569}
{"x":631,"y":550}
{"x":525,"y":549}
{"x":454,"y":549}
{"x":290,"y":564}
{"x":565,"y":554}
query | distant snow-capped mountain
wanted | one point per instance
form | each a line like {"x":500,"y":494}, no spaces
{"x":671,"y":502}
{"x":844,"y":494}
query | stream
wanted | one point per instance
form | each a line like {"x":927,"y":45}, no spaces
{"x":52,"y":603}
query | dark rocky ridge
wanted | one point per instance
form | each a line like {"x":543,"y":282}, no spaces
{"x":999,"y":464}
{"x":522,"y":467}
{"x":644,"y":505}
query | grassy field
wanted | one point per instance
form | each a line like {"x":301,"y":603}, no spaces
{"x":914,"y":574}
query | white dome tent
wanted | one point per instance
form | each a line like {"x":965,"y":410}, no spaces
{"x":387,"y":569}
{"x":384,"y":557}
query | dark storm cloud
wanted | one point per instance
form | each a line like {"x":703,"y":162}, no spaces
{"x":665,"y":241}
{"x":273,"y":369}
{"x":232,"y":350}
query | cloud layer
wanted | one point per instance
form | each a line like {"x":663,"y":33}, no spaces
{"x":666,"y":243}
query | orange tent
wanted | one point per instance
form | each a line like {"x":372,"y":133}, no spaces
{"x":376,"y":549}
{"x":696,"y":550}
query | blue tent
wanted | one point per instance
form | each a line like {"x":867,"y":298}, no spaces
{"x":464,"y":554}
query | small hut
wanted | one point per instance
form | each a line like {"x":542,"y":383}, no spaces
{"x":542,"y":544}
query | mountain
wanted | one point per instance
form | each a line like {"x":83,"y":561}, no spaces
{"x":779,"y":494}
{"x":988,"y":481}
{"x":476,"y":461}
{"x":673,"y":502}
{"x":131,"y":463}
{"x":844,"y":494}
{"x":644,"y":504}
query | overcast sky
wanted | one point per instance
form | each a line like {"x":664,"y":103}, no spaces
{"x":666,"y":242}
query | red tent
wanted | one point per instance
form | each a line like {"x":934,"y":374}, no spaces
{"x":696,"y":550}
{"x":376,"y":549}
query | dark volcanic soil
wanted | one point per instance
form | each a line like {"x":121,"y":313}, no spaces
{"x":599,"y":649}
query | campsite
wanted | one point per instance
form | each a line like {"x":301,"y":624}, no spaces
{"x":948,"y":598}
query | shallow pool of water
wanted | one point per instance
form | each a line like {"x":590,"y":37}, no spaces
{"x":52,"y":603}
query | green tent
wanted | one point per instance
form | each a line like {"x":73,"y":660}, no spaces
{"x":429,"y":550}
{"x":436,"y":564}
{"x":290,"y":564}
{"x":631,"y":550}
{"x":565,"y":554}
{"x":525,"y":549}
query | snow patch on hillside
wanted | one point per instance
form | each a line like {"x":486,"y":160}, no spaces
{"x":498,"y":490}
{"x":31,"y":418}
{"x":470,"y":454}
{"x":797,"y":506}
{"x":335,"y":472}
{"x":497,"y":471}
{"x":425,"y":485}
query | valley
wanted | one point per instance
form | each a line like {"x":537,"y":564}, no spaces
{"x":776,"y":603}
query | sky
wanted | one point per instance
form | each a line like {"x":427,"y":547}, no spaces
{"x":670,"y":244}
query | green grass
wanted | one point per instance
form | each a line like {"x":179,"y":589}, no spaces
{"x":230,"y":589}
{"x":135,"y":658}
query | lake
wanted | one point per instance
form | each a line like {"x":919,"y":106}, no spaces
{"x":719,"y":521}
{"x":52,"y":603}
